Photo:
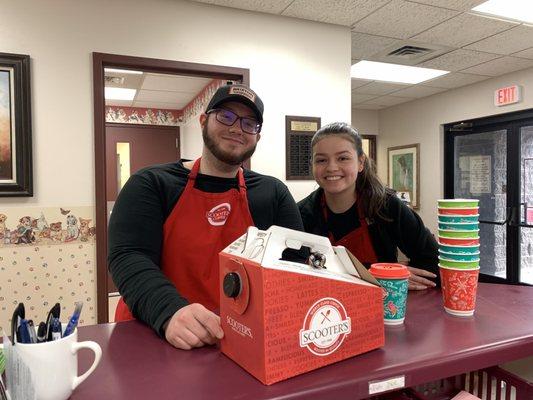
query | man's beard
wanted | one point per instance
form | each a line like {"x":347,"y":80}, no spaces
{"x":222,"y":156}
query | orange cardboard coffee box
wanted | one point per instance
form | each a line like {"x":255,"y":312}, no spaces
{"x":283,"y":318}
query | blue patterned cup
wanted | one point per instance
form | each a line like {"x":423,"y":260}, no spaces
{"x":459,"y":249}
{"x":459,"y":218}
{"x":394,"y":278}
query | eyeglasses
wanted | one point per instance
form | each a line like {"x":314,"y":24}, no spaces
{"x":228,"y":118}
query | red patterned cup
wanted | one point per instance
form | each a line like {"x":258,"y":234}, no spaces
{"x":459,"y":287}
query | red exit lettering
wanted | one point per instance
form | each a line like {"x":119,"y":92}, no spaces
{"x":507,"y":95}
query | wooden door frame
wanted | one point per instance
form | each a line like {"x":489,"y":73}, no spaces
{"x":101,"y":61}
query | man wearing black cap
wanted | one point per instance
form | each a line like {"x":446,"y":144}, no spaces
{"x":170,"y":222}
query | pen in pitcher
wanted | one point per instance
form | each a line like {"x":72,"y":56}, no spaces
{"x":73,"y":321}
{"x":41,"y":332}
{"x":56,"y":329}
{"x":22,"y":332}
{"x":31,"y":332}
{"x":18,"y":314}
{"x":54,"y":312}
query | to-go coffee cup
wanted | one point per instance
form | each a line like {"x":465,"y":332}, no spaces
{"x":394,"y":279}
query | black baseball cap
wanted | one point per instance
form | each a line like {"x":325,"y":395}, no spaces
{"x":240,"y":93}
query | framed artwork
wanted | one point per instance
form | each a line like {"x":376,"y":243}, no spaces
{"x":403,"y":172}
{"x":15,"y":126}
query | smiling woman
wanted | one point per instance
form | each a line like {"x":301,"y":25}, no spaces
{"x":355,"y":210}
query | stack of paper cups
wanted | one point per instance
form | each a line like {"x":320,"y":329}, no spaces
{"x":459,"y":254}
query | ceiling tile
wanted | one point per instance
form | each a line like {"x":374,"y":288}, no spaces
{"x":459,"y":5}
{"x":365,"y":46}
{"x":162,"y":96}
{"x":129,"y":81}
{"x":455,"y":80}
{"x":359,"y":98}
{"x":388,"y":100}
{"x":177,"y":83}
{"x":528,"y":53}
{"x":268,"y":6}
{"x":366,"y":106}
{"x":510,"y":41}
{"x":341,"y":12}
{"x":458,"y":59}
{"x":418,"y":91}
{"x":500,"y":66}
{"x":119,"y":103}
{"x":379,"y":88}
{"x":463,"y":29}
{"x":155,"y":104}
{"x":402,"y":19}
{"x":359,"y":82}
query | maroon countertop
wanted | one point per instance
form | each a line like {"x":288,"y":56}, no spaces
{"x":136,"y":364}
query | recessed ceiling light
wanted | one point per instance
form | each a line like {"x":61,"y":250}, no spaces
{"x":123,"y":71}
{"x":518,"y":10}
{"x":113,"y":93}
{"x":379,"y":71}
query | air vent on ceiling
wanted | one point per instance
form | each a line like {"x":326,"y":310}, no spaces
{"x":409,"y":51}
{"x":116,"y":80}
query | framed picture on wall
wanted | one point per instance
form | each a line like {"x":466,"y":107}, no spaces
{"x":403,"y":173}
{"x":15,"y":126}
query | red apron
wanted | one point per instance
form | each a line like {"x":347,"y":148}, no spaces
{"x":357,"y":241}
{"x":198,"y":228}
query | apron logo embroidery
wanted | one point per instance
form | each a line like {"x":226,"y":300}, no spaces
{"x":218,"y":215}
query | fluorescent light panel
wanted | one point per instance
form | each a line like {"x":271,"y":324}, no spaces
{"x":113,"y":93}
{"x":123,"y":71}
{"x":379,"y":71}
{"x":518,"y":10}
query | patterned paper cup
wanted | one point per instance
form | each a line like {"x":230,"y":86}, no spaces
{"x":459,"y":218}
{"x":459,"y":226}
{"x":458,"y":241}
{"x":448,"y":248}
{"x":458,"y":234}
{"x":459,"y":211}
{"x":459,"y":288}
{"x":459,"y":257}
{"x":458,"y":264}
{"x":458,"y":203}
{"x":394,"y":279}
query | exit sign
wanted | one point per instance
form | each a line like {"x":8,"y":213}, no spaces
{"x":507,"y":95}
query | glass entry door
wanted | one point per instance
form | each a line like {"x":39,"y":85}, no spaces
{"x":491,"y":159}
{"x":525,"y":224}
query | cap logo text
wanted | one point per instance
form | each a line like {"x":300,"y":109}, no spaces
{"x":242,"y":91}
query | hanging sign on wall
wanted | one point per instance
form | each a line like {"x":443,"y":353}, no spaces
{"x":507,"y":95}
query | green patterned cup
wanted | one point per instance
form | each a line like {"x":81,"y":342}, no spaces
{"x":458,"y":203}
{"x":458,"y":234}
{"x":394,"y":278}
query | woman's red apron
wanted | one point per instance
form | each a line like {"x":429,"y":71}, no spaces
{"x":198,"y":228}
{"x":357,"y":241}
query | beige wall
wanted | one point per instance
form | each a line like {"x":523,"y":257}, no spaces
{"x":421,"y":121}
{"x":365,"y":121}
